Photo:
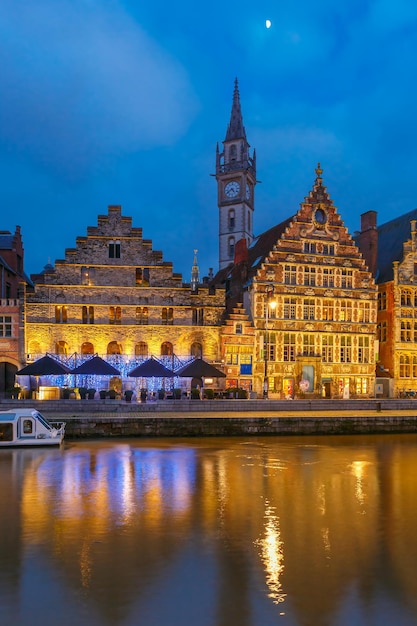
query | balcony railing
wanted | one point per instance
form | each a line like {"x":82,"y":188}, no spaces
{"x":4,"y":302}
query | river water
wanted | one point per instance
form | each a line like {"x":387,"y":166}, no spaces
{"x":291,"y":531}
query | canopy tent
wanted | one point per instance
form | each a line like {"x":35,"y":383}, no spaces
{"x":45,"y":366}
{"x":96,"y":366}
{"x":200,"y":369}
{"x":152,"y":368}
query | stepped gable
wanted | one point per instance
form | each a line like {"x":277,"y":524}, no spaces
{"x":392,"y":239}
{"x":316,"y":221}
{"x":113,"y":246}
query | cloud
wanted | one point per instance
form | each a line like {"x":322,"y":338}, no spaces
{"x":82,"y":81}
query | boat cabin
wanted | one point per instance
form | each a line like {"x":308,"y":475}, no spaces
{"x":28,"y":427}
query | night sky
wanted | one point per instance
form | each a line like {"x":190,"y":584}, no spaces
{"x":122,"y":102}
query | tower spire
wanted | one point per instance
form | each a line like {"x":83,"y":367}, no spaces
{"x":236,"y":129}
{"x":195,"y":273}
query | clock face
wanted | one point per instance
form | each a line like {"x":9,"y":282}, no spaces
{"x":232,"y":189}
{"x":247,"y":192}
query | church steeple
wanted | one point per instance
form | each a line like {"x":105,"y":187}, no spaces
{"x":195,"y":273}
{"x":236,"y":129}
{"x":236,"y":180}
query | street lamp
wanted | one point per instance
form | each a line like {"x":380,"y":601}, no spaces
{"x":270,"y":303}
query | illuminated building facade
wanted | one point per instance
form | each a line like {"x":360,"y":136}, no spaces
{"x":238,"y":346}
{"x":12,"y":289}
{"x":115,"y":296}
{"x":391,"y":250}
{"x":319,"y":338}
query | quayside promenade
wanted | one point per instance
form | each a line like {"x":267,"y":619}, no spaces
{"x":191,"y":418}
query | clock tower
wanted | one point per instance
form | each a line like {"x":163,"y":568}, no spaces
{"x":236,"y":180}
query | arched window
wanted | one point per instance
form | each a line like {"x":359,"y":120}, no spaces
{"x":167,"y":349}
{"x":233,"y":152}
{"x":141,"y":349}
{"x":196,"y":350}
{"x":167,"y":315}
{"x":61,"y":347}
{"x":405,"y":297}
{"x":115,"y":315}
{"x":87,"y":348}
{"x":231,"y":219}
{"x":248,"y":221}
{"x":114,"y":347}
{"x":141,"y":315}
{"x":231,"y":247}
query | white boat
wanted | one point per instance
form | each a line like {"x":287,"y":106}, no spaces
{"x":28,"y":427}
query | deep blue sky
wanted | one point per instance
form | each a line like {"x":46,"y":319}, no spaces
{"x":122,"y":102}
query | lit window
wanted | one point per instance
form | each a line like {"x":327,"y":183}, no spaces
{"x":142,"y":315}
{"x":327,"y":349}
{"x":88,"y":314}
{"x":61,"y":316}
{"x":404,"y":366}
{"x":289,"y":347}
{"x":289,"y":308}
{"x":142,"y":276}
{"x":310,"y":276}
{"x":309,"y":309}
{"x":167,"y":316}
{"x":308,"y":345}
{"x":364,"y":312}
{"x":290,"y":275}
{"x":87,"y":275}
{"x":345,"y":311}
{"x":328,"y":277}
{"x":141,"y":349}
{"x":328,"y":310}
{"x":346,"y":279}
{"x":363,"y":349}
{"x":345,"y":349}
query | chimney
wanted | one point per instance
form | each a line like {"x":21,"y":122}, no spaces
{"x":367,"y":240}
{"x":241,"y":251}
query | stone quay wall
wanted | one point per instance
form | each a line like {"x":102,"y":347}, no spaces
{"x":187,"y":418}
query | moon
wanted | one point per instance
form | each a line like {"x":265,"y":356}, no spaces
{"x":268,"y":23}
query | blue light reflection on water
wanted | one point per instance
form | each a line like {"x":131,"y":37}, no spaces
{"x":292,"y":531}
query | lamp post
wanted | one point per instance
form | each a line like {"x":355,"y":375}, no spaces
{"x":269,"y":303}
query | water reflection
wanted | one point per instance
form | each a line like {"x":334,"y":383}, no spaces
{"x":272,"y":554}
{"x":298,"y":531}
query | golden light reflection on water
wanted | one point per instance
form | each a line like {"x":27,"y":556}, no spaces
{"x":265,"y":520}
{"x":272,"y":554}
{"x":358,"y":470}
